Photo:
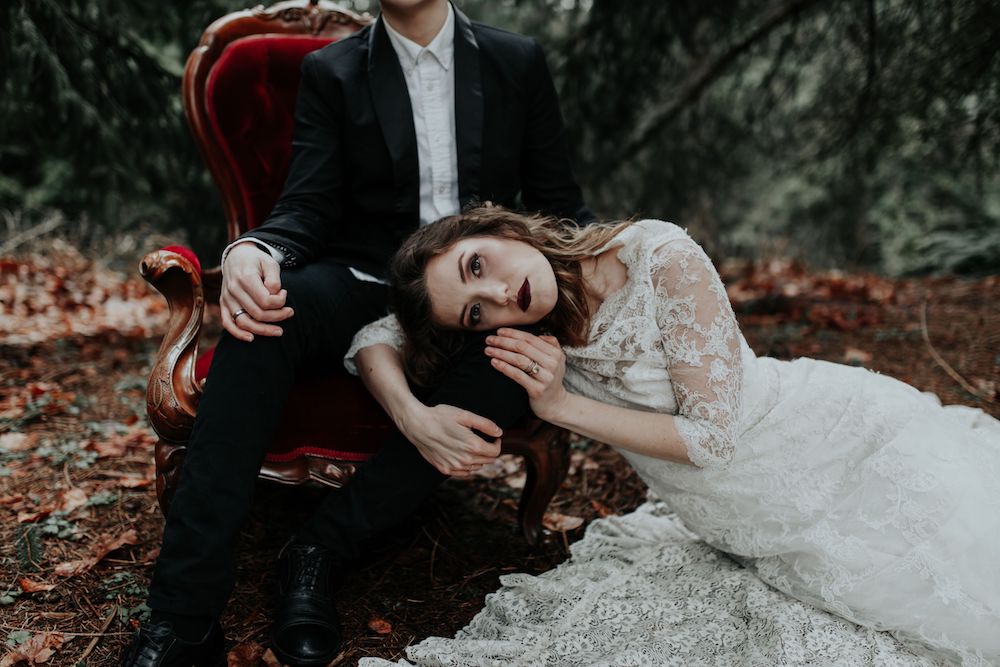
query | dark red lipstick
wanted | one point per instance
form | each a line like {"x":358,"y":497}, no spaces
{"x":524,"y":296}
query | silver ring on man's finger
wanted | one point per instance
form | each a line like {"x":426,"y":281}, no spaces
{"x":237,"y":313}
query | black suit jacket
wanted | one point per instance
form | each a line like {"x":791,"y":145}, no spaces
{"x":353,"y":185}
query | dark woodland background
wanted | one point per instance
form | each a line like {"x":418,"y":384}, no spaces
{"x":855,"y":133}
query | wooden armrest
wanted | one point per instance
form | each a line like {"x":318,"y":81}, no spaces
{"x":172,"y":394}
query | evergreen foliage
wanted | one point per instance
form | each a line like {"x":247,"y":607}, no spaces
{"x":857,"y":132}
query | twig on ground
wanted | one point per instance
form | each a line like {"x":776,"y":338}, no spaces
{"x":944,"y":364}
{"x":339,"y":659}
{"x":93,"y":642}
{"x":41,"y":228}
{"x":19,"y":628}
{"x":433,"y":553}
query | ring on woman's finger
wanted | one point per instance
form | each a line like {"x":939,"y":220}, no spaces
{"x":532,"y":369}
{"x":237,"y":313}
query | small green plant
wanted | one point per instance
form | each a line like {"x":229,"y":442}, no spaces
{"x":122,"y":583}
{"x":8,"y":597}
{"x":140,"y":612}
{"x":106,"y":497}
{"x":57,"y":525}
{"x":17,"y":637}
{"x":67,"y":451}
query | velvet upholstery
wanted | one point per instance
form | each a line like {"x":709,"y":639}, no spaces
{"x":304,"y":429}
{"x":250,"y":98}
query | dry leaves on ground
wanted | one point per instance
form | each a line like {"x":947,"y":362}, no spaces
{"x":35,"y":650}
{"x":561,"y":523}
{"x":247,"y":654}
{"x":105,"y":544}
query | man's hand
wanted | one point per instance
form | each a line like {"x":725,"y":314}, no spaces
{"x":443,"y":435}
{"x":251,"y":283}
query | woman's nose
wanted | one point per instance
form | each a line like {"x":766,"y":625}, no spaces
{"x":499,"y":293}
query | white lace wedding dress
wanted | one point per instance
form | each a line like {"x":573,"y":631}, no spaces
{"x":827,"y":503}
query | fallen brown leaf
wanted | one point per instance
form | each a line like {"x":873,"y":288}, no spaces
{"x":516,"y":481}
{"x":35,"y":650}
{"x":561,"y":522}
{"x":134,"y":481}
{"x":17,"y":442}
{"x":601,"y":509}
{"x":380,"y":625}
{"x":105,"y":545}
{"x":245,"y":655}
{"x":270,"y":659}
{"x":32,"y":515}
{"x":986,"y":388}
{"x":31,"y":586}
{"x":853,"y":355}
{"x":72,"y":499}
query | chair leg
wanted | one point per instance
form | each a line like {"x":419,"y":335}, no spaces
{"x":546,"y":458}
{"x":169,"y":459}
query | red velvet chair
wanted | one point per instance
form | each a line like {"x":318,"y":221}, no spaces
{"x":239,"y":91}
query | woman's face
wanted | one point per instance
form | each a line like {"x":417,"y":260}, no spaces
{"x":485,"y":282}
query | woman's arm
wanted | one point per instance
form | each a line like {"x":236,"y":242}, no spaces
{"x":442,"y":433}
{"x":648,"y":433}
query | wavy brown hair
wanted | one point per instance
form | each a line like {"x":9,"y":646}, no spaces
{"x":429,"y":346}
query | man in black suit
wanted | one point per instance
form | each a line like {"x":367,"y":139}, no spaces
{"x":402,"y":123}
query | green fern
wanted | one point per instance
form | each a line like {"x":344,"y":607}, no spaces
{"x":30,"y":548}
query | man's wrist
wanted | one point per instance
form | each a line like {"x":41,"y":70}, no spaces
{"x":268,"y":250}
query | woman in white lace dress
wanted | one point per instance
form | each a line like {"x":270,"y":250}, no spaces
{"x":847,"y":490}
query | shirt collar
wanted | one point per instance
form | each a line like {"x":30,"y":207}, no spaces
{"x":442,"y":47}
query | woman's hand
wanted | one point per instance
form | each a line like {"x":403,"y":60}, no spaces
{"x":446,"y":437}
{"x":537,"y":363}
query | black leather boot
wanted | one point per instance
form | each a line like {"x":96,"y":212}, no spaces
{"x":157,"y":646}
{"x":306,"y":630}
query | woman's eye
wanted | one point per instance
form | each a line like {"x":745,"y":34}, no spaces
{"x":474,"y":314}
{"x":474,"y":265}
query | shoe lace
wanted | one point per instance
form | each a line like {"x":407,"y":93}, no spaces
{"x":309,"y":567}
{"x":308,"y":571}
{"x":147,"y":653}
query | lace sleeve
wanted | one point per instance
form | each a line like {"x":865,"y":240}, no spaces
{"x":385,"y":331}
{"x":702,"y":344}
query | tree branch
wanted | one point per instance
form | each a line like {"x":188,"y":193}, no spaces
{"x":701,"y":78}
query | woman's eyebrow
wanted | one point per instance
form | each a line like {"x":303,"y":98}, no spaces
{"x":461,"y":275}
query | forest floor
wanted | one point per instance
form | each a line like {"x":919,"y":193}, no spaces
{"x":80,"y":526}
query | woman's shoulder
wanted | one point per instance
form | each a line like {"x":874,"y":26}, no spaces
{"x":646,"y":238}
{"x":658,"y":230}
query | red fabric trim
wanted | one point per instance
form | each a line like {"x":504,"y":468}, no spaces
{"x":186,"y":253}
{"x":320,"y":452}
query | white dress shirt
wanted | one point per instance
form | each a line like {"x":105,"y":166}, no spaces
{"x":430,"y":81}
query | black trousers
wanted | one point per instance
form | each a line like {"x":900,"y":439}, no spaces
{"x":239,"y":412}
